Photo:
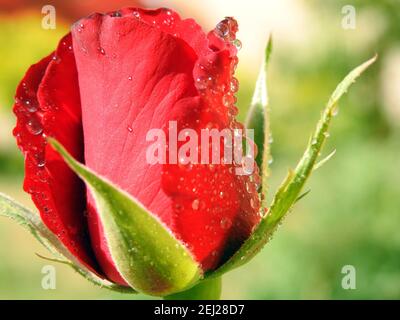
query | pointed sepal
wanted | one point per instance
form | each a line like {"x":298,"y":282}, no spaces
{"x":290,"y":190}
{"x":258,"y":118}
{"x":148,"y":257}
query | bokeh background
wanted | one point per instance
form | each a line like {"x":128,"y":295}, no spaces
{"x":351,"y":216}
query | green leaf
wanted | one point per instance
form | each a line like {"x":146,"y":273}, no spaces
{"x":147,"y":255}
{"x":289,"y":191}
{"x":31,"y":221}
{"x":258,"y":118}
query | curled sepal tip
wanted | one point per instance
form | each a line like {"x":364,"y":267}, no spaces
{"x":290,"y":190}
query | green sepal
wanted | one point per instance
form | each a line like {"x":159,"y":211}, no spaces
{"x":31,"y":221}
{"x":209,"y":289}
{"x":149,"y":258}
{"x":290,"y":190}
{"x":258,"y":118}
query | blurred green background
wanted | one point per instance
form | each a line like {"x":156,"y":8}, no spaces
{"x":351,"y":216}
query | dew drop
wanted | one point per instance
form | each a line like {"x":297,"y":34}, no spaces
{"x":202,"y":83}
{"x":130,"y":78}
{"x":129,"y":128}
{"x":196,"y":204}
{"x":30,"y":106}
{"x":34,"y":127}
{"x":253,"y":204}
{"x":225,"y":223}
{"x":102,"y":51}
{"x":234,"y":85}
{"x":116,"y":14}
{"x":136,"y":14}
{"x":56,"y":59}
{"x":222,"y":29}
{"x":41,"y":163}
{"x":237,"y":43}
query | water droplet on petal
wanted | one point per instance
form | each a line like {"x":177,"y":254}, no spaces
{"x":196,"y":204}
{"x":136,"y":14}
{"x":34,"y":127}
{"x":234,"y":85}
{"x":102,"y":51}
{"x":225,"y":223}
{"x":222,"y":29}
{"x":116,"y":14}
{"x":203,"y":83}
{"x":237,"y":43}
{"x":30,"y":106}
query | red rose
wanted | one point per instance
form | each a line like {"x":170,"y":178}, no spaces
{"x":111,"y":80}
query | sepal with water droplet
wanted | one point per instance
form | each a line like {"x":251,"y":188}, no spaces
{"x":148,"y":257}
{"x":31,"y":221}
{"x":258,"y":118}
{"x":291,"y":188}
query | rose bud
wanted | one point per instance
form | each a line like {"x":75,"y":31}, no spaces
{"x":111,"y":80}
{"x":132,"y":188}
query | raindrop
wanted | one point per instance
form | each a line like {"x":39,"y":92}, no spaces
{"x":136,"y":14}
{"x":34,"y":127}
{"x":203,"y":82}
{"x":30,"y":106}
{"x":196,"y":204}
{"x":56,"y":59}
{"x":130,"y":129}
{"x":237,"y":43}
{"x":102,"y":51}
{"x":253,"y":203}
{"x":41,"y":163}
{"x":234,"y":85}
{"x":116,"y":14}
{"x":225,"y":223}
{"x":130,"y":78}
{"x":222,"y":29}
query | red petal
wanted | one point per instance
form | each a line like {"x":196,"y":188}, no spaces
{"x":48,"y":104}
{"x":137,"y":72}
{"x":132,"y":76}
{"x":216,"y":209}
